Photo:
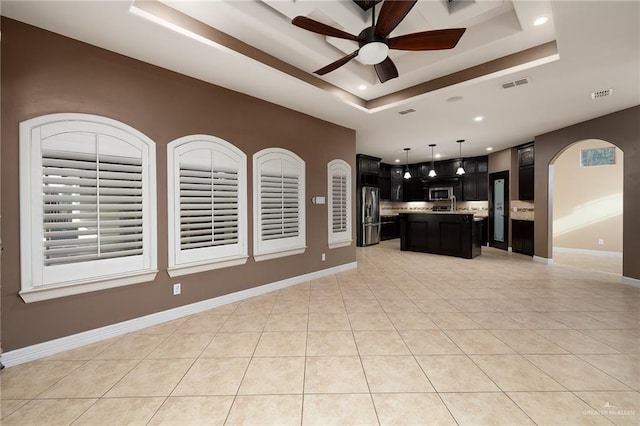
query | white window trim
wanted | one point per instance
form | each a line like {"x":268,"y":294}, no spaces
{"x":32,"y":290}
{"x":338,"y":239}
{"x":177,"y":267}
{"x":262,"y":250}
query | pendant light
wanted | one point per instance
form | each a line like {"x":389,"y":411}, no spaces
{"x":407,"y":174}
{"x":460,"y":170}
{"x":432,"y":172}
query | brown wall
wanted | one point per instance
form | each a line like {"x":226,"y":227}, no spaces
{"x":44,"y":73}
{"x":622,"y":129}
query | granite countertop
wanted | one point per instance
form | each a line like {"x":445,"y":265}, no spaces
{"x":456,"y":212}
{"x":476,"y":214}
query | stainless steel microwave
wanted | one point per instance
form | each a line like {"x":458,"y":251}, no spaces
{"x":440,"y":193}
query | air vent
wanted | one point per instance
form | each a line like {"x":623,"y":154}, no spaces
{"x":406,"y":111}
{"x":601,"y":94}
{"x":514,"y":83}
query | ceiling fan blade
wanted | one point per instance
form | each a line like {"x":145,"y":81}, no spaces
{"x":428,"y":40}
{"x":320,"y":28}
{"x":391,"y":14}
{"x":386,"y":70}
{"x":337,"y":64}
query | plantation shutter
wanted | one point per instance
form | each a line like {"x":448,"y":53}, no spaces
{"x":280,"y":206}
{"x":339,"y":208}
{"x":208,"y":207}
{"x":339,"y":202}
{"x":92,"y":207}
{"x":207,"y":204}
{"x":87,"y":205}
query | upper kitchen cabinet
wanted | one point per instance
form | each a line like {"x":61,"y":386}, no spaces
{"x":413,"y":189}
{"x":396,"y":183}
{"x":475,"y":181}
{"x":368,"y":170}
{"x":391,"y":182}
{"x":385,"y":182}
{"x":446,"y":168}
{"x":526,"y":163}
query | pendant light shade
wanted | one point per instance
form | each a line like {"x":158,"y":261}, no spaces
{"x":460,"y":170}
{"x":432,"y":172}
{"x":373,"y":53}
{"x":407,"y":173}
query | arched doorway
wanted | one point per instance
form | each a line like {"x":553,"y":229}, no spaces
{"x":587,"y":206}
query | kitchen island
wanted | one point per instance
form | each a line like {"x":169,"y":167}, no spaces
{"x":451,"y":234}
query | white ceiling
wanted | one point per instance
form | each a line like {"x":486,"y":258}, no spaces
{"x":598,"y":44}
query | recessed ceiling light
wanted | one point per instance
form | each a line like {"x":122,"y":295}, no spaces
{"x":438,"y":155}
{"x":540,"y":21}
{"x":362,"y":87}
{"x":489,"y":148}
{"x":397,"y":160}
{"x":454,"y":99}
{"x":478,"y":118}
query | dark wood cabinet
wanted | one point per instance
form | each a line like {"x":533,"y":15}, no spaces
{"x":413,"y":189}
{"x":485,"y":231}
{"x":446,"y":168}
{"x":526,"y":164}
{"x":475,"y":187}
{"x":368,"y":170}
{"x":475,"y":181}
{"x":472,"y":186}
{"x":385,"y":182}
{"x":449,"y":234}
{"x":469,"y":188}
{"x":389,"y":227}
{"x":526,"y":183}
{"x":522,"y":236}
{"x":470,"y":166}
{"x":391,"y":182}
{"x":397,"y":173}
{"x":396,"y":183}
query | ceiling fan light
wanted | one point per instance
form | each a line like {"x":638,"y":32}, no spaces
{"x":432,"y":173}
{"x":373,"y":53}
{"x":460,"y":171}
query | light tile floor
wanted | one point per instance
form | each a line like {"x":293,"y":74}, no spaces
{"x":407,"y":338}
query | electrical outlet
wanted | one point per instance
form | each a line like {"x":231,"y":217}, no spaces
{"x":324,"y":257}
{"x":177,"y":289}
{"x":600,"y":242}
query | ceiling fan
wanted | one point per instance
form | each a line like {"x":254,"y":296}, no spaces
{"x":374,"y":42}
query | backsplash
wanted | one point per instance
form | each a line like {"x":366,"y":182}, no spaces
{"x":388,"y":208}
{"x":522,"y":210}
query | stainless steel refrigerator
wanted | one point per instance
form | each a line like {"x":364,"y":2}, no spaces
{"x":370,"y":214}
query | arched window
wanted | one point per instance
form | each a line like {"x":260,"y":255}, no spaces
{"x":87,"y":206}
{"x":207,"y":204}
{"x":339,"y":211}
{"x":278,"y":204}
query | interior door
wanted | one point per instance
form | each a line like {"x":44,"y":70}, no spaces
{"x":499,"y":210}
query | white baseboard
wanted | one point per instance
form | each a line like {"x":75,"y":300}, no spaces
{"x":543,"y":260}
{"x":52,"y":347}
{"x":599,"y":253}
{"x":633,"y":282}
